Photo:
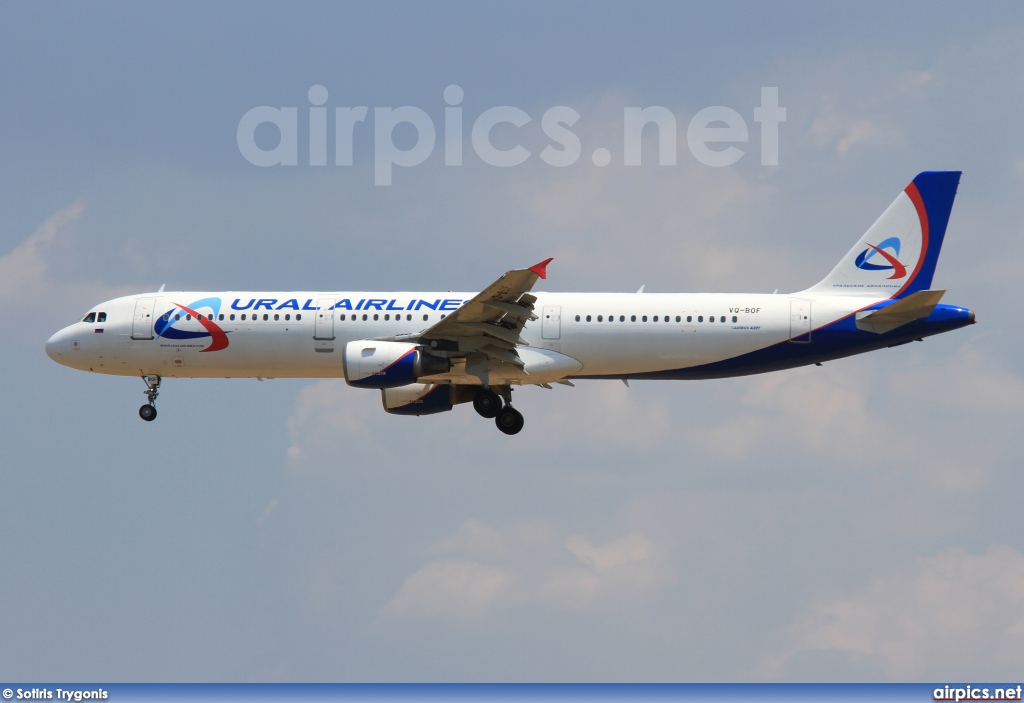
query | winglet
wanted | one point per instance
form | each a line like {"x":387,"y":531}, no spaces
{"x":541,"y":269}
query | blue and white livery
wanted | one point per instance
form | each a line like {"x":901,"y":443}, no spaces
{"x":427,"y":352}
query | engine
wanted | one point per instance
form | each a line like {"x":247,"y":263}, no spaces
{"x":372,"y":364}
{"x":417,"y":399}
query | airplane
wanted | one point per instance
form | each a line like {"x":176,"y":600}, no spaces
{"x":427,"y":352}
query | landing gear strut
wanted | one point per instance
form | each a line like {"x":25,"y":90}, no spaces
{"x":148,"y":412}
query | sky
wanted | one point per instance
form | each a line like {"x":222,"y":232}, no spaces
{"x":856,"y":521}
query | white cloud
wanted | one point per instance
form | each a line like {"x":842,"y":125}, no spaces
{"x":23,"y":271}
{"x":850,"y":115}
{"x":480,"y":571}
{"x":893,"y":416}
{"x":29,"y":284}
{"x":953,"y":615}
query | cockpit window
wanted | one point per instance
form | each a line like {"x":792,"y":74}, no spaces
{"x":101,"y":317}
{"x":91,"y":317}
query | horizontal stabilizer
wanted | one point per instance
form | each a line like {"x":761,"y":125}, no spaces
{"x":913,"y":307}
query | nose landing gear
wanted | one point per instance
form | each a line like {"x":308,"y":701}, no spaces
{"x":148,"y":412}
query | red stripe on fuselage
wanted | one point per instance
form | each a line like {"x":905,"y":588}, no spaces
{"x":218,"y":340}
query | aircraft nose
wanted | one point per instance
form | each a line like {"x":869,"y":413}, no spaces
{"x":55,"y":346}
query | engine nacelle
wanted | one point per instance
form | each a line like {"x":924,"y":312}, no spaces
{"x":417,"y":399}
{"x":372,"y":364}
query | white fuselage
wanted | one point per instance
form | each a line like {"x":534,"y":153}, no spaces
{"x":298,"y":334}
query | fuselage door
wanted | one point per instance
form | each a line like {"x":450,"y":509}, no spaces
{"x":800,"y":321}
{"x":324,"y":319}
{"x":551,"y":322}
{"x":142,"y":323}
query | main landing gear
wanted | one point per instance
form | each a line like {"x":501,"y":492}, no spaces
{"x":489,"y":404}
{"x":148,"y":412}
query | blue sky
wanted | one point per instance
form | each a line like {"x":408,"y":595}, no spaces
{"x":856,"y":521}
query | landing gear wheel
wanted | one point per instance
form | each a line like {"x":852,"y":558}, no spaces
{"x":148,"y":412}
{"x":487,"y":403}
{"x":509,"y":420}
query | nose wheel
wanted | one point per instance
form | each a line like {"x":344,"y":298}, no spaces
{"x":148,"y":412}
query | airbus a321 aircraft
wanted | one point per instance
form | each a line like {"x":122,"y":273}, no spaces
{"x":427,"y":352}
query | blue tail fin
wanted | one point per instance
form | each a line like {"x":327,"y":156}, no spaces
{"x":898,"y":254}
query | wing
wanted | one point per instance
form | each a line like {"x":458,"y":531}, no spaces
{"x":491,"y":322}
{"x":481,"y":336}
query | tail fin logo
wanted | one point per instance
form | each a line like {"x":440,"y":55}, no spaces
{"x":864,"y":258}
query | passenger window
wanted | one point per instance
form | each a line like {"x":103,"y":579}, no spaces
{"x":588,"y":318}
{"x":376,"y":316}
{"x":678,"y":319}
{"x":734,"y":318}
{"x":425,"y":318}
{"x":298,"y":317}
{"x":188,"y":317}
{"x":722,"y":318}
{"x":276,"y":317}
{"x":408,"y":318}
{"x":287,"y":316}
{"x":622,"y":318}
{"x":577,"y":318}
{"x":689,"y":318}
{"x":632,"y":318}
{"x":600,"y":318}
{"x":666,"y":319}
{"x":364,"y":317}
{"x":644,"y":318}
{"x":167,"y":316}
{"x":387,"y":317}
{"x":243,"y":317}
{"x":221,"y":317}
{"x":232,"y":317}
{"x":342,"y":318}
{"x":711,"y":318}
{"x":91,"y":317}
{"x":443,"y":316}
{"x":700,"y":318}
